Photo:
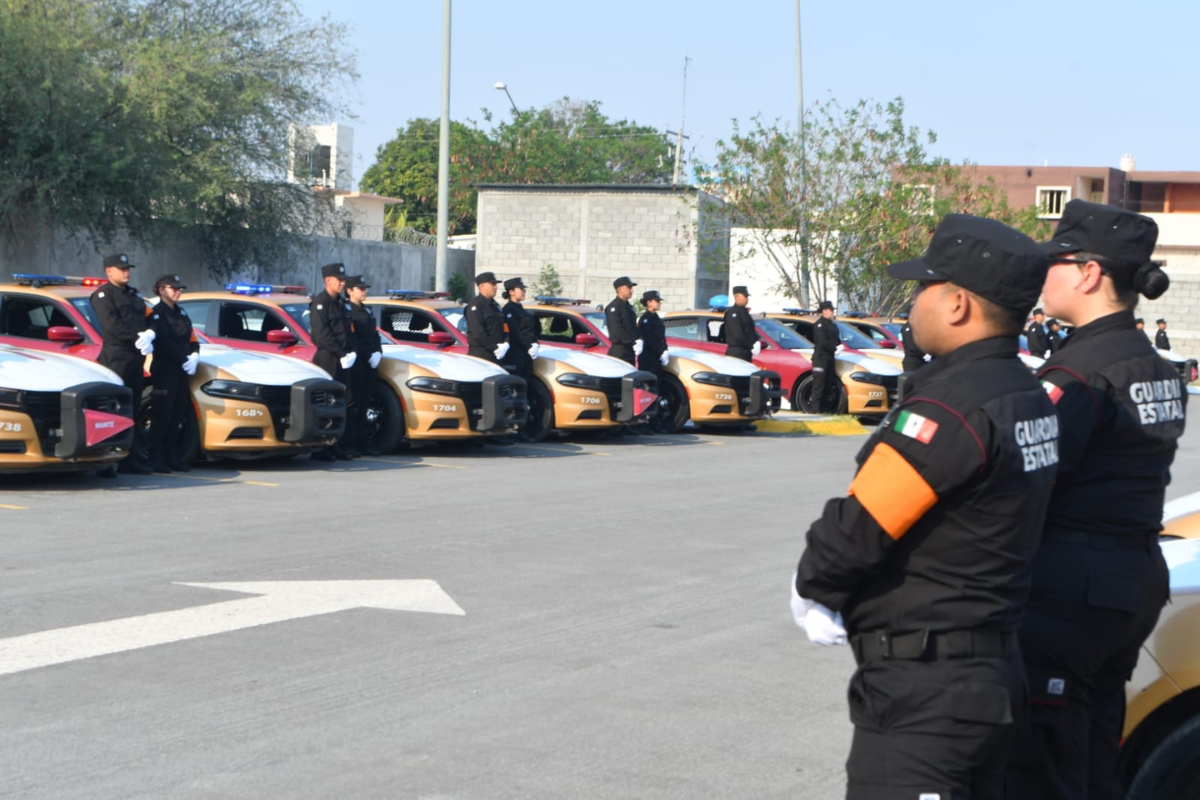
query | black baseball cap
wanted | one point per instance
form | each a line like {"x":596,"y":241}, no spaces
{"x":740,"y":290}
{"x":118,"y":260}
{"x":333,"y":271}
{"x":1037,"y":311}
{"x":623,"y":281}
{"x":651,"y":295}
{"x":514,"y":283}
{"x":1104,"y":230}
{"x":1139,"y":321}
{"x":824,"y":305}
{"x":485,"y":277}
{"x":1160,"y":322}
{"x":983,"y":256}
{"x":168,"y":280}
{"x":357,"y":282}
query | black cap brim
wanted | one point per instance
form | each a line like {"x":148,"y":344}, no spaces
{"x":1060,"y":247}
{"x":916,"y":270}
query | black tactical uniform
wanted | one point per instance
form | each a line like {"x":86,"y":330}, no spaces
{"x":329,"y":321}
{"x":622,"y":325}
{"x":653,"y":333}
{"x":1161,"y":341}
{"x":1054,"y":342}
{"x":522,"y":333}
{"x":170,"y":403}
{"x":1035,"y":335}
{"x":928,"y":557}
{"x":740,"y":333}
{"x":1099,"y":580}
{"x":485,"y":324}
{"x":361,"y":374}
{"x":914,"y":356}
{"x":826,"y":339}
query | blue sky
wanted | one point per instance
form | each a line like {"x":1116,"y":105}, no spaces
{"x":1017,"y":82}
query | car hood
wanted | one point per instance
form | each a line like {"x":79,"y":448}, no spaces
{"x":724,"y":365}
{"x":1172,"y":356}
{"x":450,"y":366}
{"x":250,"y":366}
{"x":587,"y":363}
{"x":1183,"y":559}
{"x":38,"y":371}
{"x":870,"y":364}
{"x":1033,"y":362}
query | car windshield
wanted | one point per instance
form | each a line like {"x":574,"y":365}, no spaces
{"x":455,"y":316}
{"x":299,"y":312}
{"x":599,"y":320}
{"x":784,"y":336}
{"x":84,"y":306}
{"x":893,"y":328}
{"x":853,"y":339}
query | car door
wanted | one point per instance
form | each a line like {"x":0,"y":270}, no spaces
{"x":413,"y":326}
{"x":691,"y":331}
{"x":25,"y":321}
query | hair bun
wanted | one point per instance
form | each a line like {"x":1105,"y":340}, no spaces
{"x":1151,"y":281}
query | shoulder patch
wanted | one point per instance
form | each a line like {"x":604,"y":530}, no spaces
{"x":472,"y":308}
{"x":915,"y":426}
{"x":613,"y":309}
{"x":319,"y":306}
{"x":1055,"y":392}
{"x":155,"y":316}
{"x":100,"y":294}
{"x":183,"y":312}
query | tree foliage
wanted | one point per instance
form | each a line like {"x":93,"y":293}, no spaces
{"x":150,"y":118}
{"x":565,"y":142}
{"x":872,"y":194}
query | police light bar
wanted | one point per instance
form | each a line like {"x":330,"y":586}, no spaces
{"x":547,"y":300}
{"x":799,"y":312}
{"x":718,"y":302}
{"x":264,"y":288}
{"x":581,"y":301}
{"x":36,"y":280}
{"x":413,"y":294}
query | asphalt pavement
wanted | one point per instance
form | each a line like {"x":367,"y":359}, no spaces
{"x":625,"y":628}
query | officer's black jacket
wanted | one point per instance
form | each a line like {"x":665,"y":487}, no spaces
{"x":945,"y":512}
{"x":914,"y":356}
{"x":1053,"y":342}
{"x":365,"y":331}
{"x":174,"y":340}
{"x":522,"y":328}
{"x":1035,"y":334}
{"x":826,"y":338}
{"x":1121,"y":409}
{"x":1161,"y":341}
{"x":622,"y":322}
{"x":329,"y":321}
{"x":122,"y":313}
{"x":740,"y":332}
{"x":485,"y":327}
{"x":653,"y":333}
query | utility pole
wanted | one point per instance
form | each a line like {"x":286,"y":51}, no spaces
{"x":804,"y":274}
{"x":679,"y":135}
{"x":442,"y":278}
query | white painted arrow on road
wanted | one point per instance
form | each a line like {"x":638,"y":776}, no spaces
{"x":278,"y":601}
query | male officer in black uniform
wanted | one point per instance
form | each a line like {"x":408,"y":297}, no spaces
{"x":927,"y":560}
{"x":1054,"y":339}
{"x":1140,"y":324}
{"x":1160,"y":338}
{"x":329,"y":320}
{"x":913,"y":355}
{"x":176,"y":353}
{"x":522,"y":331}
{"x":826,"y":341}
{"x":1035,"y":334}
{"x":368,"y":352}
{"x":486,"y":337}
{"x":653,"y":333}
{"x":741,"y":337}
{"x":128,"y":339}
{"x":1099,"y":580}
{"x":622,"y":323}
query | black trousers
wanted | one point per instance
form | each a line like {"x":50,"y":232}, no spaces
{"x":169,"y":404}
{"x":940,"y":728}
{"x":623,"y":352}
{"x":130,"y":368}
{"x":358,"y":399}
{"x":518,"y":363}
{"x":485,"y":354}
{"x":824,"y":373}
{"x":333,"y":365}
{"x":739,"y":352}
{"x":1093,"y":603}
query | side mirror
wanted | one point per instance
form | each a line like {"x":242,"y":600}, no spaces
{"x":586,"y":339}
{"x":887,"y":344}
{"x":64,"y":333}
{"x":281,"y":337}
{"x":441,"y":338}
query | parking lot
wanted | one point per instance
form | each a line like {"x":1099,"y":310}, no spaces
{"x":625,"y":628}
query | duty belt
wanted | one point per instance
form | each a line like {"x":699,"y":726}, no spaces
{"x":1140,"y":540}
{"x":932,"y":645}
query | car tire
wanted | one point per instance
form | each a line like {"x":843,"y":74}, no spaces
{"x":674,"y":411}
{"x":1173,"y":768}
{"x":385,"y":419}
{"x":802,"y":397}
{"x":189,"y":445}
{"x":540,"y":421}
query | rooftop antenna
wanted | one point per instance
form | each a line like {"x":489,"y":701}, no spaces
{"x":679,"y":134}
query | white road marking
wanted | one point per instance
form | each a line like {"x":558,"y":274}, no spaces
{"x":278,"y":601}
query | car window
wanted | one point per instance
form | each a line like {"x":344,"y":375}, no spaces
{"x":852,"y":338}
{"x":31,"y":317}
{"x":197,"y":311}
{"x":408,"y":325}
{"x":298,"y":312}
{"x":599,"y":320}
{"x":684,"y":328}
{"x":875,"y":334}
{"x":559,"y":328}
{"x":247,"y":322}
{"x":784,"y":336}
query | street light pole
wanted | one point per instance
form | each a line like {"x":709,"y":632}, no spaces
{"x":502,"y":86}
{"x":804,"y":276}
{"x":441,"y":276}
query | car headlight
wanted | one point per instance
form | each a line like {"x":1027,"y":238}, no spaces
{"x":867,"y":377}
{"x":580,"y":381}
{"x":432,"y":385}
{"x":231,"y":389}
{"x":10,"y":398}
{"x":712,"y":378}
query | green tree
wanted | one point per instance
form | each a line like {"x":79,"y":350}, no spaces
{"x":163,"y":117}
{"x":873,"y":197}
{"x":548,"y":283}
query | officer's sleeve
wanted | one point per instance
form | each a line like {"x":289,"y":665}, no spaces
{"x":1081,"y":409}
{"x":617,"y":332}
{"x":322,"y":336}
{"x":528,"y":329}
{"x":925,"y":455}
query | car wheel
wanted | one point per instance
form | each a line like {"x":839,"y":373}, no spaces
{"x":802,"y":399}
{"x":673,"y":409}
{"x":385,"y":419}
{"x":1173,"y":768}
{"x":189,"y":437}
{"x":540,"y":421}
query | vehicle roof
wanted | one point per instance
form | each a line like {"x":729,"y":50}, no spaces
{"x":436,"y":303}
{"x":57,"y":290}
{"x":579,"y":310}
{"x":271,"y":299}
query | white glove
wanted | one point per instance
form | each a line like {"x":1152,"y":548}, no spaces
{"x":347,"y":361}
{"x":756,"y":349}
{"x":533,"y":349}
{"x":638,"y":344}
{"x":1046,"y":354}
{"x":189,"y":364}
{"x":824,"y":627}
{"x":146,"y":349}
{"x":500,"y":350}
{"x":144,"y":339}
{"x":375,"y":359}
{"x":665,"y":358}
{"x":841,"y":348}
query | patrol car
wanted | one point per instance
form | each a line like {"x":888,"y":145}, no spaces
{"x":705,"y":387}
{"x":418,"y":398}
{"x":852,"y":339}
{"x":246,"y":406}
{"x":60,"y":413}
{"x":883,"y":334}
{"x":570,"y":390}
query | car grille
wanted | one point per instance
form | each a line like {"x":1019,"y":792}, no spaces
{"x":472,"y":396}
{"x":45,"y":409}
{"x":612,"y":390}
{"x":278,"y":400}
{"x":891,"y":385}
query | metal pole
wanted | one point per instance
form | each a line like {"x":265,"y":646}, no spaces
{"x":442,"y":279}
{"x":804,"y":275}
{"x":682,"y":118}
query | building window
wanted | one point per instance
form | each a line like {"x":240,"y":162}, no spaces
{"x":1051,"y":199}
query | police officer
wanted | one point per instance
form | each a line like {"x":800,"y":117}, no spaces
{"x":653,"y":333}
{"x":522,"y":330}
{"x":1035,"y":335}
{"x":1099,"y":581}
{"x":128,"y":339}
{"x":924,"y":566}
{"x":741,"y":337}
{"x":622,"y":323}
{"x":486,"y":337}
{"x":914,"y":357}
{"x":826,"y":341}
{"x":1140,"y":324}
{"x":368,"y":352}
{"x":1054,"y":340}
{"x":1160,"y":338}
{"x":329,"y":319}
{"x":176,"y":353}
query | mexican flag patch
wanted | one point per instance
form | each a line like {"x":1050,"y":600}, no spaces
{"x":1055,"y":392}
{"x":916,"y":427}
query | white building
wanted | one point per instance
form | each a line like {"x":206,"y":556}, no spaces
{"x":756,"y":260}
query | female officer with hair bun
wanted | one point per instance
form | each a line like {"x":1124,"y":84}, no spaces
{"x":1099,"y":579}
